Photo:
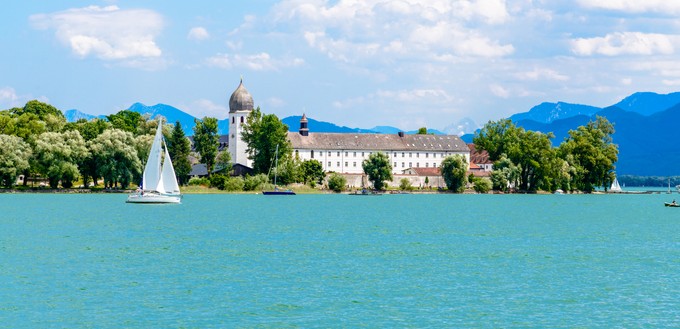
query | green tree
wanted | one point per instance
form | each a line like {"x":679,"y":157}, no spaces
{"x":378,"y":169}
{"x":116,"y":156}
{"x":179,"y":147}
{"x":257,"y":182}
{"x":58,"y":156}
{"x":591,"y":151}
{"x":126,"y":120}
{"x":312,"y":172}
{"x":223,"y":162}
{"x":40,"y":109}
{"x":206,"y":141}
{"x":262,"y":134}
{"x":497,"y":138}
{"x":453,"y":169}
{"x":337,"y":182}
{"x":405,"y":184}
{"x":482,"y":185}
{"x":422,"y":131}
{"x":14,"y":157}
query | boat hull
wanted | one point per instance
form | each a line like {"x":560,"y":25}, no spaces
{"x":153,"y":198}
{"x":278,"y":192}
{"x":669,"y":204}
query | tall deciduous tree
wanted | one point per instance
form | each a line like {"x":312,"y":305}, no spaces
{"x":453,"y":170}
{"x":116,"y":156}
{"x":126,"y":120}
{"x":378,"y":169}
{"x":590,"y":149}
{"x":312,"y":172}
{"x":206,"y":141}
{"x":262,"y":135}
{"x":179,"y":147}
{"x":14,"y":156}
{"x":58,"y":156}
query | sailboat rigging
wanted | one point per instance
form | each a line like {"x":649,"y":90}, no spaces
{"x":159,"y":182}
{"x":276,"y":190}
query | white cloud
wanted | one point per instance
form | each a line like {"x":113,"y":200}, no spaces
{"x":634,"y":6}
{"x":542,"y":74}
{"x":349,"y":31}
{"x":108,"y":33}
{"x":8,"y":98}
{"x":256,"y":62}
{"x":198,"y":34}
{"x":207,"y":108}
{"x":624,"y":43}
{"x":499,"y":91}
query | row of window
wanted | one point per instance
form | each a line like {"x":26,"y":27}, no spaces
{"x":403,"y":164}
{"x":363,"y":154}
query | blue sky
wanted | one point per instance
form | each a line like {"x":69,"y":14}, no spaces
{"x":359,"y":63}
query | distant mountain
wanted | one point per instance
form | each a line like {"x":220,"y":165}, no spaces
{"x":648,"y":145}
{"x":648,"y":103}
{"x":75,"y":115}
{"x":549,"y":112}
{"x":293,"y":123}
{"x":172,"y":114}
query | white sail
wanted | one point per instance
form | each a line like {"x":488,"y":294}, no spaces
{"x":615,"y":186}
{"x":152,"y":170}
{"x":168,"y":177}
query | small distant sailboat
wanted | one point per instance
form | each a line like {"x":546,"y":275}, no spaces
{"x":159,"y":183}
{"x":615,"y":186}
{"x":276,"y":190}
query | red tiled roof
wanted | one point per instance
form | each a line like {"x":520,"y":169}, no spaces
{"x":427,"y":171}
{"x":478,"y":157}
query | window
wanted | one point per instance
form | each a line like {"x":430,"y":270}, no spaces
{"x":355,"y":154}
{"x":402,"y":155}
{"x":329,"y":164}
{"x":241,"y":119}
{"x":402,"y":165}
{"x":410,"y":164}
{"x":312,"y":156}
{"x":233,"y":119}
{"x":320,"y":153}
{"x":338,"y":153}
{"x":417,"y":164}
{"x":362,"y":154}
{"x":297,"y":154}
{"x":355,"y":164}
{"x":395,"y":154}
{"x":346,"y":165}
{"x":346,"y":153}
{"x":418,"y":155}
{"x":338,"y":163}
{"x":395,"y":165}
{"x":427,"y":165}
{"x":427,"y":155}
{"x":410,"y":155}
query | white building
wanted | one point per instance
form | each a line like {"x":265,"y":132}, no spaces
{"x":345,"y":152}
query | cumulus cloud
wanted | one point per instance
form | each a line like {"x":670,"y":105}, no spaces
{"x":542,"y":74}
{"x":8,"y":97}
{"x":206,"y":108}
{"x":499,"y":91}
{"x":256,"y":62}
{"x":198,"y":34}
{"x":634,"y":6}
{"x":108,"y":33}
{"x":349,"y":31}
{"x":624,"y":43}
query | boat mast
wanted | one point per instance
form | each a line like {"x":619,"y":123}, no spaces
{"x":276,"y":163}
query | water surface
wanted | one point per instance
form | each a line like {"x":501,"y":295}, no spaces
{"x":407,"y":261}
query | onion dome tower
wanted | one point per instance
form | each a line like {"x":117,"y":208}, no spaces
{"x":240,"y":105}
{"x":304,"y":130}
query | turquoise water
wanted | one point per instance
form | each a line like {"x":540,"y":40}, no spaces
{"x":338,"y":261}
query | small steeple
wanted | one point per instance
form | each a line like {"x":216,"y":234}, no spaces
{"x":304,"y":131}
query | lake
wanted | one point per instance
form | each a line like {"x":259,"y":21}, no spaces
{"x":339,"y":261}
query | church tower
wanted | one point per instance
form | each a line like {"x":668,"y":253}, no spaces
{"x":240,"y":105}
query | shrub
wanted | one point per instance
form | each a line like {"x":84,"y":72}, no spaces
{"x":337,"y":182}
{"x":482,"y":185}
{"x":233,"y":184}
{"x":405,"y":184}
{"x":199,"y":181}
{"x":257,"y":182}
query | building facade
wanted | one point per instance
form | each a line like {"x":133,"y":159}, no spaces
{"x":345,"y":152}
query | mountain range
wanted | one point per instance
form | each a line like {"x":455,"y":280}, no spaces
{"x":645,"y":125}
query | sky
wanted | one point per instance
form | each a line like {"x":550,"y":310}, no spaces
{"x":357,"y":63}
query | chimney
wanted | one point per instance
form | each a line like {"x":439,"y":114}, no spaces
{"x":401,"y":134}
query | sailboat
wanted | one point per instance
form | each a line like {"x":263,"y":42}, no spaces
{"x":276,"y":190}
{"x":159,"y":183}
{"x":615,"y":186}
